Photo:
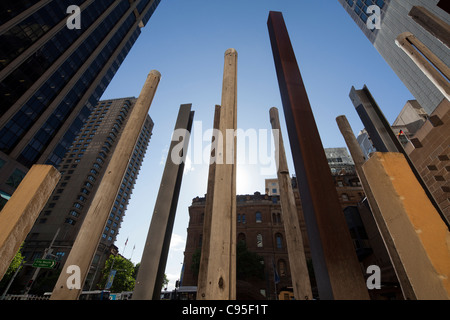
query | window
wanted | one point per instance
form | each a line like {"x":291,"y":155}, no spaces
{"x":282,"y":268}
{"x":77,"y":205}
{"x":259,"y":240}
{"x":74,"y":213}
{"x":279,"y":241}
{"x":258,"y":217}
{"x":16,"y":178}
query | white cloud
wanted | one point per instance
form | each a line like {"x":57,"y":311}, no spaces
{"x":177,"y":243}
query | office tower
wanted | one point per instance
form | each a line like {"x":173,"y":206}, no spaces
{"x":339,"y":160}
{"x":394,"y":20}
{"x":52,"y":74}
{"x":82,"y":169}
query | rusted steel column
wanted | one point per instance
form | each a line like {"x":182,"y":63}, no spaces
{"x":336,"y":266}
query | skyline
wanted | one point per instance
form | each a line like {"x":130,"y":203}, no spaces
{"x":187,"y":46}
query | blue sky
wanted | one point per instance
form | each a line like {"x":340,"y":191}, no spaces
{"x":186,"y":41}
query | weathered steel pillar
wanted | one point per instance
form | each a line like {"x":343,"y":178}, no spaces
{"x":94,"y":223}
{"x":336,"y":266}
{"x":294,"y":240}
{"x":22,"y":209}
{"x":150,"y":277}
{"x":220,"y":273}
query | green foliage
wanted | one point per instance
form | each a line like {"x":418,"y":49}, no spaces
{"x":124,"y":279}
{"x":15,"y":264}
{"x":248,"y":264}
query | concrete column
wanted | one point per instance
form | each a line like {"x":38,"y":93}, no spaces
{"x":294,"y":240}
{"x":358,"y":159}
{"x":433,"y":24}
{"x":418,"y":233}
{"x":89,"y":236}
{"x":149,"y":280}
{"x":204,"y":258}
{"x":419,"y":53}
{"x":221,"y":270}
{"x":336,"y":266}
{"x":22,"y":209}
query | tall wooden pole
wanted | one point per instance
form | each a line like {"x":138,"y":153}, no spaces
{"x":89,"y":236}
{"x":221,"y":270}
{"x":358,"y":159}
{"x":149,"y":280}
{"x":294,"y":240}
{"x":336,"y":266}
{"x":21,"y":211}
{"x":204,"y":258}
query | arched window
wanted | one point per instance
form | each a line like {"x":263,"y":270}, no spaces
{"x":258,"y":217}
{"x":241,"y":237}
{"x":259,"y":240}
{"x":282,"y":268}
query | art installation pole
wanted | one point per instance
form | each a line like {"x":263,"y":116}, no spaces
{"x":383,"y":138}
{"x":204,"y":257}
{"x":149,"y":280}
{"x":80,"y":258}
{"x":419,"y":234}
{"x":21,"y":211}
{"x":220,"y":273}
{"x":358,"y":159}
{"x":294,"y":240}
{"x":336,"y":267}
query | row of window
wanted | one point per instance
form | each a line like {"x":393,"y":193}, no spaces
{"x":260,"y":241}
{"x":276,"y":218}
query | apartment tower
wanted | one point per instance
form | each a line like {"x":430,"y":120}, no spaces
{"x":82,"y":169}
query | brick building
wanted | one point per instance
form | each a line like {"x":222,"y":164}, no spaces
{"x":429,"y":150}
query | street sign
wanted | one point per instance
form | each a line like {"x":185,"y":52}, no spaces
{"x":44,"y":263}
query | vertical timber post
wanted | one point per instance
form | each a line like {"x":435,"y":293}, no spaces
{"x":294,"y":240}
{"x":336,"y":266}
{"x":149,"y":279}
{"x":220,"y":273}
{"x":201,"y":285}
{"x":358,"y":159}
{"x":22,"y":209}
{"x":89,"y":236}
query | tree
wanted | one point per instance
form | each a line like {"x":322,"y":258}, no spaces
{"x":124,"y":279}
{"x":248,"y":264}
{"x":15,"y":264}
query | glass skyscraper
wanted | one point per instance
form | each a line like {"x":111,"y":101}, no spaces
{"x":52,"y":75}
{"x":394,"y":20}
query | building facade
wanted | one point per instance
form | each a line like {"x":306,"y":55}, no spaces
{"x":82,"y":169}
{"x":394,"y":20}
{"x":430,"y":153}
{"x":52,"y":74}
